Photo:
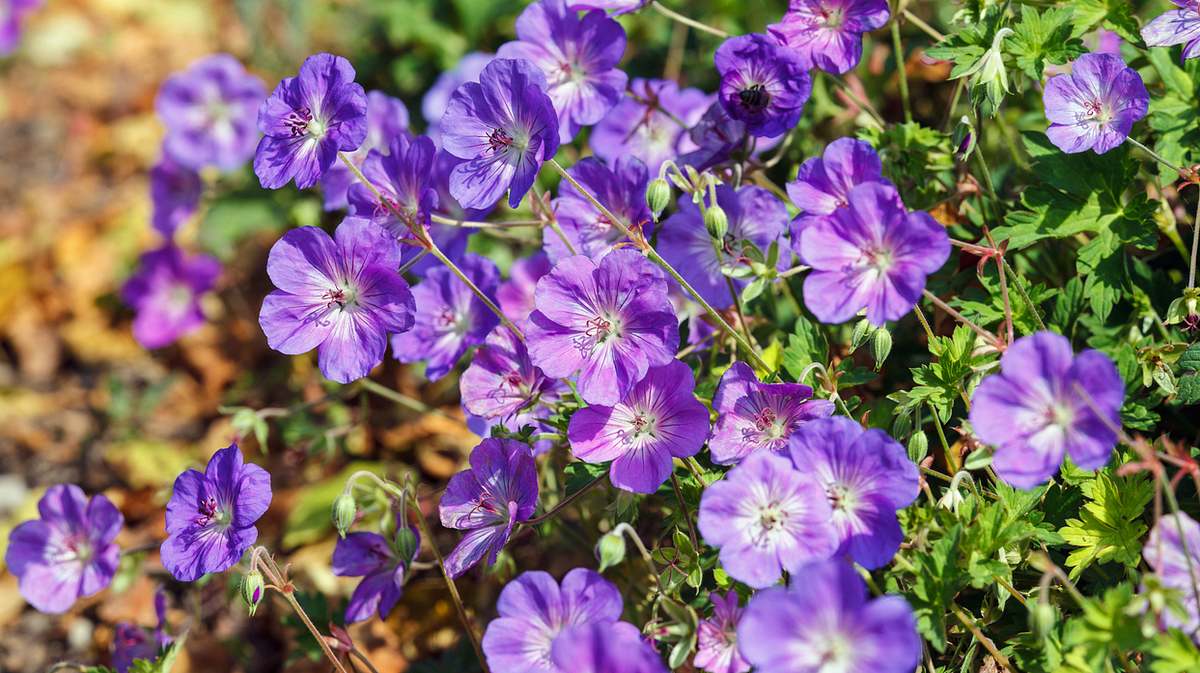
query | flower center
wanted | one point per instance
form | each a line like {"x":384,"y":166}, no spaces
{"x":600,"y":329}
{"x":1060,"y":415}
{"x":1096,"y":110}
{"x":772,"y":517}
{"x":211,"y":512}
{"x":645,"y":426}
{"x":74,"y":547}
{"x":840,"y":497}
{"x":755,"y":97}
{"x":879,"y":259}
{"x":832,"y":17}
{"x":499,"y":140}
{"x":338,"y":295}
{"x":300,"y":122}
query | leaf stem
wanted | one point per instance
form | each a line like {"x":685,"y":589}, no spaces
{"x":983,"y":640}
{"x":1195,"y":247}
{"x":562,"y":504}
{"x":987,"y":336}
{"x":902,"y":70}
{"x":687,"y":515}
{"x":675,"y":16}
{"x":920,"y":23}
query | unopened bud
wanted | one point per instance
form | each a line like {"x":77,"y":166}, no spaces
{"x":918,"y":446}
{"x":1042,"y":618}
{"x":406,"y":543}
{"x":964,"y":138}
{"x":252,"y":590}
{"x":716,"y":222}
{"x":344,"y":511}
{"x":610,"y":550}
{"x":881,"y":346}
{"x":658,"y":196}
{"x":862,"y":332}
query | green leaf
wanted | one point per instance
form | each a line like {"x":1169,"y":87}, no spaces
{"x":1115,"y":15}
{"x":1189,"y":389}
{"x":936,"y":580}
{"x":309,"y":519}
{"x":1109,"y":528}
{"x":1174,"y":652}
{"x":806,"y":345}
{"x":1041,"y":38}
{"x":1190,"y":360}
{"x":229,"y":222}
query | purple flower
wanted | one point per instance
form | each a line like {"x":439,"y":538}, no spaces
{"x":755,"y":216}
{"x":68,"y":552}
{"x":578,"y":56}
{"x":515,"y":295}
{"x":386,"y":118}
{"x":605,"y":648}
{"x":1094,"y":107}
{"x":716,"y":650}
{"x":434,"y":104}
{"x":762,"y":84}
{"x":534,"y":609}
{"x":307,"y":120}
{"x":867,"y":477}
{"x":872,"y":254}
{"x":131,"y":642}
{"x":610,"y":321}
{"x":1043,"y":404}
{"x":825,"y":622}
{"x":716,"y":138}
{"x":646,"y":123}
{"x":828,"y":34}
{"x":211,"y":515}
{"x":165,"y":292}
{"x":1176,"y":561}
{"x":210,"y":112}
{"x":383,"y":565}
{"x":622,"y":189}
{"x":504,"y":127}
{"x":614,"y":7}
{"x":175,"y":193}
{"x":766,"y":517}
{"x":488,"y":500}
{"x":450,"y":318}
{"x":10,"y":22}
{"x":754,"y":416}
{"x":340,"y":295}
{"x":1178,"y":26}
{"x":502,"y":380}
{"x":658,"y":420}
{"x":405,"y":179}
{"x":447,"y":204}
{"x":823,"y":184}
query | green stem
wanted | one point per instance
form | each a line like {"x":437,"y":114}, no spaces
{"x":1156,"y":156}
{"x":969,"y":622}
{"x":675,"y":16}
{"x":920,"y":23}
{"x":687,"y":515}
{"x":1024,"y":295}
{"x":404,"y":400}
{"x":1195,"y":248}
{"x":565,"y":501}
{"x":987,"y":336}
{"x":900,"y":67}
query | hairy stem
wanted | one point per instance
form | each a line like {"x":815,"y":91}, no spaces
{"x":687,"y":515}
{"x":902,"y":71}
{"x":692,"y":23}
{"x":987,"y":336}
{"x":565,"y":502}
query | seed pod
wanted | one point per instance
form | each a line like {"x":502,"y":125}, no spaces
{"x":658,"y":196}
{"x":881,"y":346}
{"x":344,"y":511}
{"x":716,"y":222}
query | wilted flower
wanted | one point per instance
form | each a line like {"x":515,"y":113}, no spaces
{"x":1094,"y":107}
{"x":754,"y":416}
{"x":130,"y":643}
{"x":210,"y":111}
{"x":763,"y":84}
{"x":622,"y":190}
{"x":502,"y":380}
{"x":165,"y":292}
{"x":382,"y":564}
{"x":650,"y":123}
{"x":828,"y":33}
{"x":716,"y":648}
{"x":404,"y":177}
{"x":1177,"y":26}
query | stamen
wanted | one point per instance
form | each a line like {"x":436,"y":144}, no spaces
{"x":297,"y":121}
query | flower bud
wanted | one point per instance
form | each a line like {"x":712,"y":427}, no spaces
{"x":862,"y":332}
{"x":658,"y":196}
{"x":716,"y":222}
{"x":344,"y":511}
{"x":964,"y":138}
{"x":1042,"y":618}
{"x":610,"y":550}
{"x":918,"y":446}
{"x":406,"y":543}
{"x":252,"y":590}
{"x":881,"y":346}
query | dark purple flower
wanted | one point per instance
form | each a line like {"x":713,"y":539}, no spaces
{"x":1094,"y":107}
{"x":827,"y":34}
{"x":488,"y":500}
{"x":1178,"y":26}
{"x":610,"y":321}
{"x":754,"y":416}
{"x":211,"y":515}
{"x":622,"y":190}
{"x":755,"y":216}
{"x":340,"y":295}
{"x":533,"y":609}
{"x":405,"y":180}
{"x":435,"y":101}
{"x":515,"y":295}
{"x":449,"y":206}
{"x":503,"y":128}
{"x":613,"y":7}
{"x":11,"y":16}
{"x":578,"y":56}
{"x":307,"y":120}
{"x":162,"y":634}
{"x":131,"y":642}
{"x":210,"y":111}
{"x":762,"y":84}
{"x":386,"y":118}
{"x":383,"y":565}
{"x":1045,"y":403}
{"x":1176,"y":561}
{"x":717,"y":138}
{"x":616,"y":647}
{"x":766,"y":517}
{"x":873,"y":254}
{"x":68,"y":552}
{"x":502,"y":380}
{"x":658,"y":420}
{"x":165,"y":292}
{"x":867,"y":477}
{"x":450,"y":318}
{"x":823,"y":183}
{"x":824,"y":621}
{"x":175,"y":193}
{"x":650,"y":123}
{"x":716,"y":648}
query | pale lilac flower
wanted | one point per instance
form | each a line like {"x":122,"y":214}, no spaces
{"x":383,"y":565}
{"x":1176,"y":561}
{"x":533,"y":610}
{"x":716,"y":647}
{"x":210,"y":111}
{"x":1046,"y":403}
{"x":435,"y":101}
{"x":450,"y":319}
{"x":823,"y":183}
{"x":658,"y":420}
{"x":766,"y":517}
{"x":488,"y":501}
{"x":502,"y":381}
{"x":873,"y":254}
{"x":1177,"y":26}
{"x":515,"y":295}
{"x":867,"y":477}
{"x":605,"y":648}
{"x":753,"y":416}
{"x":175,"y":193}
{"x":165,"y":292}
{"x":824,"y":622}
{"x":622,"y":190}
{"x":503,"y":128}
{"x":1094,"y":107}
{"x":340,"y":295}
{"x":386,"y":118}
{"x":404,"y":178}
{"x":578,"y":56}
{"x":609,"y":321}
{"x":307,"y":120}
{"x":763,"y":84}
{"x":211,"y":515}
{"x":650,"y":123}
{"x":68,"y":552}
{"x":827,"y":34}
